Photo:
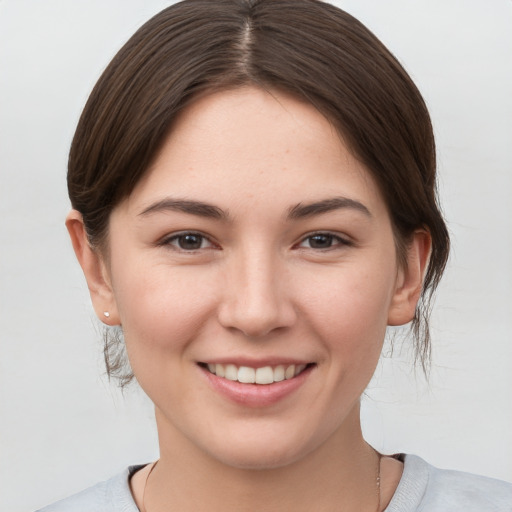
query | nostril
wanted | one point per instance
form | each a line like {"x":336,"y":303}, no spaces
{"x":257,"y":322}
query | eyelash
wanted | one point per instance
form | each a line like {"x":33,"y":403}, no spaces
{"x":338,"y":241}
{"x":174,"y":241}
{"x":168,"y":241}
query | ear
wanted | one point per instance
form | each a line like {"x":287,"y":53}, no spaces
{"x":95,"y":270}
{"x":410,"y":279}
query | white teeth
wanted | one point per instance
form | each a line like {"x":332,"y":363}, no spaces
{"x":290,"y":372}
{"x":263,"y":375}
{"x":278,"y":373}
{"x":246,"y":375}
{"x":231,"y":372}
{"x":219,"y":370}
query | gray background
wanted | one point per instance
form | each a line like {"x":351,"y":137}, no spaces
{"x":64,"y":427}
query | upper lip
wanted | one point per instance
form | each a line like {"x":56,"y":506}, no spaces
{"x":256,"y":363}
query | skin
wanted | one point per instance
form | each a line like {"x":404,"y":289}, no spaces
{"x":258,"y":286}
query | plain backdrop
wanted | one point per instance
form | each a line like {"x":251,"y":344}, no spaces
{"x":64,"y":427}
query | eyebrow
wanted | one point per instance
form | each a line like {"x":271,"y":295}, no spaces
{"x":210,"y":211}
{"x":186,"y":206}
{"x":310,"y":209}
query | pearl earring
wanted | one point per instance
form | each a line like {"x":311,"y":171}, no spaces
{"x":106,"y":313}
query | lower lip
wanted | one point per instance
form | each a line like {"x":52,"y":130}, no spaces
{"x":256,"y":395}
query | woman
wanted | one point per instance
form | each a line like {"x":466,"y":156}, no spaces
{"x":254,"y":207}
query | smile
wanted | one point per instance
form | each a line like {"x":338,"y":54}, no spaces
{"x":263,"y":375}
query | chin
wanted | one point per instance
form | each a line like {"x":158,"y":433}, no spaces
{"x":260,"y":453}
{"x":257,"y":460}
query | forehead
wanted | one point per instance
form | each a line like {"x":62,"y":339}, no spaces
{"x":247,"y":144}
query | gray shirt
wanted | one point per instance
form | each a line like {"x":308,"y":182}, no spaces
{"x":422,"y":488}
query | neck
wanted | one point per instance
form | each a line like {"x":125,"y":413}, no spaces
{"x":341,"y":474}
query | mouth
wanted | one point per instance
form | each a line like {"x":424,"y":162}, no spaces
{"x":263,"y":375}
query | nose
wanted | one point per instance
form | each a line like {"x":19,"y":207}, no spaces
{"x":256,"y":298}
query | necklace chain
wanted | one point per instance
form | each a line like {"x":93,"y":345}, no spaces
{"x":145,"y":485}
{"x":377,"y":482}
{"x":377,"y":479}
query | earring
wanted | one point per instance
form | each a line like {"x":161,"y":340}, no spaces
{"x":106,"y":313}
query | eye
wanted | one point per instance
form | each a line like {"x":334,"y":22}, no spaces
{"x":188,"y":241}
{"x":322,"y":241}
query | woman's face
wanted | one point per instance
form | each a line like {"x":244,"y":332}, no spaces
{"x":256,"y":247}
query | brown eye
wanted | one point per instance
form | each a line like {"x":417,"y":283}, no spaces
{"x":188,"y":242}
{"x":323,"y":241}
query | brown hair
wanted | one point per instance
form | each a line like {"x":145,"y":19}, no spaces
{"x":307,"y":48}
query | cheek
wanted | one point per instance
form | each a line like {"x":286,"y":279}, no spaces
{"x":349,"y":309}
{"x":161,"y":309}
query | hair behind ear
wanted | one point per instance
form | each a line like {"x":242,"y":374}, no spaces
{"x":411,"y":278}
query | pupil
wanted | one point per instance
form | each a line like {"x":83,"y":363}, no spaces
{"x":321,"y":241}
{"x":190,"y":242}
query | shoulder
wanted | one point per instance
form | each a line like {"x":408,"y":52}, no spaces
{"x":112,"y":495}
{"x":426,"y":488}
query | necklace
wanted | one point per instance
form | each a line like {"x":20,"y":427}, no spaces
{"x":377,"y":479}
{"x":145,"y":485}
{"x":377,"y":482}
